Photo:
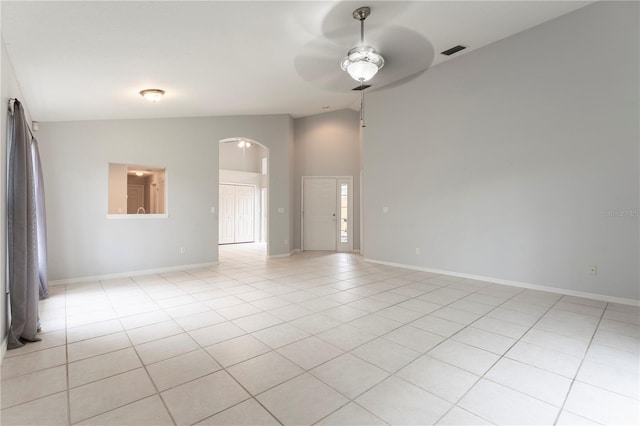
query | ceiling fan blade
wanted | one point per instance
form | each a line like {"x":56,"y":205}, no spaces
{"x":405,"y":53}
{"x":319,"y":64}
{"x":340,"y":27}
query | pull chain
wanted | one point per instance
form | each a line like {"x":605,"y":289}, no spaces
{"x":362,"y":105}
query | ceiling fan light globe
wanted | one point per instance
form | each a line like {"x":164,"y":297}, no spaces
{"x":362,"y":70}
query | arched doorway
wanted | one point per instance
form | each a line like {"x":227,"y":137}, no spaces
{"x":243,"y":195}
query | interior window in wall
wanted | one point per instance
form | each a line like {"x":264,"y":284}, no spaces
{"x":137,"y":190}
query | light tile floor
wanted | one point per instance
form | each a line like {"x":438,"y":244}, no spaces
{"x":321,"y":338}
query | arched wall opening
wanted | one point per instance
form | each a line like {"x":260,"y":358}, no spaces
{"x":243,"y":195}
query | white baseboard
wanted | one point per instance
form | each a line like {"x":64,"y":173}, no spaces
{"x":564,"y":291}
{"x":276,"y":256}
{"x":130,"y":274}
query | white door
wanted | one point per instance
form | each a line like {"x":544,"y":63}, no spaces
{"x":236,"y":220}
{"x":226,"y":217}
{"x":245,"y":214}
{"x":135,"y":199}
{"x":319,"y":210}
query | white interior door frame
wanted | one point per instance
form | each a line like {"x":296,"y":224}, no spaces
{"x":339,"y":180}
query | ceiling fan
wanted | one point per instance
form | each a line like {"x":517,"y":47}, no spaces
{"x":362,"y":62}
{"x":388,"y":53}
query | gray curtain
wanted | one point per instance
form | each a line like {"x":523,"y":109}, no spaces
{"x":27,"y":276}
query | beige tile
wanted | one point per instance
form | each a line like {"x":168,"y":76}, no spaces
{"x":532,"y":381}
{"x":93,"y":330}
{"x":386,"y":354}
{"x":105,"y":395}
{"x":456,"y":315}
{"x":97,"y":346}
{"x":152,"y":332}
{"x":398,"y":402}
{"x":346,"y":336}
{"x":503,"y":328}
{"x":257,"y":321}
{"x":47,"y":411}
{"x":502,"y":405}
{"x":351,"y":415}
{"x":421,"y":306}
{"x":181,"y":369}
{"x":263,"y":372}
{"x":145,"y":412}
{"x":437,"y":325}
{"x":143,"y":319}
{"x":199,"y":320}
{"x":557,"y":342}
{"x":617,"y":341}
{"x":201,"y":398}
{"x":303,"y":400}
{"x":33,"y":361}
{"x":48,"y":340}
{"x":247,"y":413}
{"x":280,"y":335}
{"x":316,"y":323}
{"x":490,"y":342}
{"x":310,"y":352}
{"x":444,"y":380}
{"x":602,"y":406}
{"x":344,"y":313}
{"x":569,"y":419}
{"x":547,"y":359}
{"x":457,"y":416}
{"x":349,"y":375}
{"x":187,"y":310}
{"x":216,"y":333}
{"x":414,"y":338}
{"x":33,"y":386}
{"x":238,"y":311}
{"x":168,"y":347}
{"x":375,"y":324}
{"x":237,"y":350}
{"x":516,"y":317}
{"x":102,"y":366}
{"x":610,"y":377}
{"x":607,"y":355}
{"x":474,"y":360}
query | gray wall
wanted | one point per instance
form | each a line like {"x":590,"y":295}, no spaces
{"x":75,"y":157}
{"x":327,"y":145}
{"x":509,"y":161}
{"x":244,"y":160}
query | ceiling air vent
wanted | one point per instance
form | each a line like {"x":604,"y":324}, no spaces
{"x":362,"y":87}
{"x":454,"y":49}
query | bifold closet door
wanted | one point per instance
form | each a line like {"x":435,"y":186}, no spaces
{"x":237,"y":214}
{"x":226,"y":217}
{"x":245,"y":214}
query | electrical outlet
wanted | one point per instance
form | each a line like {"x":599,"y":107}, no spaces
{"x":417,"y":251}
{"x":593,"y":270}
{"x":182,"y":250}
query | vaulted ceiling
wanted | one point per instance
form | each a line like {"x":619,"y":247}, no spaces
{"x":82,"y":60}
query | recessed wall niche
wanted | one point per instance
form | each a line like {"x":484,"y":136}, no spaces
{"x":136,"y":190}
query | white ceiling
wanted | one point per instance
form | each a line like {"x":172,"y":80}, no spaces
{"x":82,"y":60}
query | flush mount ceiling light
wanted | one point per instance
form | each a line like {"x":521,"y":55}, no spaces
{"x":152,"y":95}
{"x":139,"y":173}
{"x":362,"y":62}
